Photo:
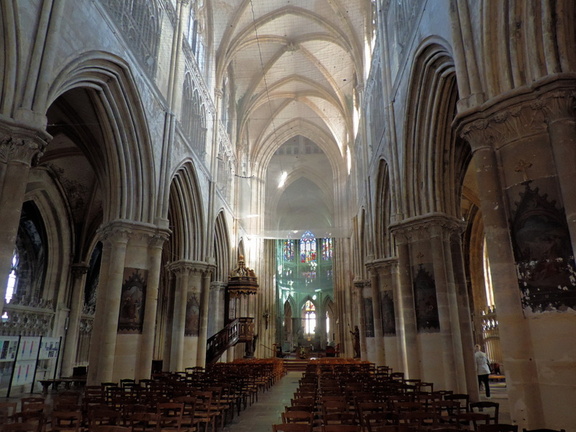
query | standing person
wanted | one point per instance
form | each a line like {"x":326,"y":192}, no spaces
{"x":482,"y":369}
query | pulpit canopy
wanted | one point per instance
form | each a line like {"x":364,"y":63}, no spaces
{"x":242,"y":280}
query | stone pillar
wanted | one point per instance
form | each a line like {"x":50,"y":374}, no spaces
{"x":464,"y":314}
{"x":181,"y":272}
{"x":388,"y":284}
{"x":522,"y":382}
{"x":358,"y":296}
{"x":114,"y":239}
{"x":19,"y":149}
{"x":561,"y":119}
{"x":442,"y":229}
{"x":405,"y":314}
{"x":379,"y":353}
{"x":204,"y":311}
{"x":156,"y":241}
{"x":217,"y":301}
{"x":79,"y":272}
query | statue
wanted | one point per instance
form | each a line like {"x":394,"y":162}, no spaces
{"x":356,"y":335}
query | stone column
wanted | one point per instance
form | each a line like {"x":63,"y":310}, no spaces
{"x":515,"y":335}
{"x":464,"y":315}
{"x":359,"y":301}
{"x":181,"y":272}
{"x":103,"y":344}
{"x":379,"y":353}
{"x":405,"y":316}
{"x":561,"y":119}
{"x":19,"y":149}
{"x":79,"y":272}
{"x":204,"y":311}
{"x":156,"y":241}
{"x":217,"y":301}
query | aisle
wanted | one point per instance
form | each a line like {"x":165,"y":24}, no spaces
{"x":261,"y":415}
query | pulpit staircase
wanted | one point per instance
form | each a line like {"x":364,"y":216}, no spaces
{"x":236,"y":331}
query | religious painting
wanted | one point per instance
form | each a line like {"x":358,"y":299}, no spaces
{"x":192,"y":325}
{"x":427,"y":320}
{"x":369,"y":327}
{"x":388,"y":315}
{"x":543,"y":253}
{"x":132,"y":301}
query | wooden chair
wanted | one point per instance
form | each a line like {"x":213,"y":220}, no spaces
{"x":341,"y":428}
{"x":292,"y":427}
{"x":189,"y":407}
{"x":297,"y":417}
{"x":498,"y":427}
{"x":109,"y":428}
{"x":19,"y":427}
{"x":66,"y":421}
{"x":486,"y":407}
{"x":169,"y":416}
{"x":543,"y":430}
{"x":103,"y":415}
{"x":463,"y":398}
{"x":470,"y":419}
{"x":7,"y":411}
{"x":389,"y":428}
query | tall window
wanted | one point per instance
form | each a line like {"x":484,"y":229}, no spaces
{"x":12,"y":278}
{"x":327,"y":249}
{"x":308,"y":248}
{"x":309,"y":318}
{"x":487,"y":278}
{"x":288,"y":250}
{"x":196,"y":33}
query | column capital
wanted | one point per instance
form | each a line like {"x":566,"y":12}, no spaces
{"x":80,"y":269}
{"x":382,"y":266}
{"x":123,"y":231}
{"x":426,"y":226}
{"x":21,"y":144}
{"x":184,"y":266}
{"x":523,"y":113}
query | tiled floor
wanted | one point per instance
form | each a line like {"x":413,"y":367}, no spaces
{"x":260,"y":416}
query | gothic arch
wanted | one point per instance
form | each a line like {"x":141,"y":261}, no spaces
{"x":186,"y":216}
{"x":436,"y":159}
{"x":123,"y":159}
{"x":222,"y":249}
{"x":382,"y":212}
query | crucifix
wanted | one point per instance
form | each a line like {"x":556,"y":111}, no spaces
{"x":522,"y":167}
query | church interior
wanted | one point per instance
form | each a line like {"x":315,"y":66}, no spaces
{"x":186,"y":184}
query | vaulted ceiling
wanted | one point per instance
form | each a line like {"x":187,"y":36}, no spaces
{"x":295,"y":66}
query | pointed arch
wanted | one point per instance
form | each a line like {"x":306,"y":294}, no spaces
{"x":382,"y":212}
{"x":186,"y":215}
{"x":125,"y":169}
{"x":433,"y":183}
{"x":221,"y":248}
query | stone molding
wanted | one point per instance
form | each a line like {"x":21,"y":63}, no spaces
{"x":425,"y":227}
{"x":181,"y":267}
{"x":22,"y":145}
{"x":123,"y":231}
{"x":382,"y":266}
{"x":520,"y":114}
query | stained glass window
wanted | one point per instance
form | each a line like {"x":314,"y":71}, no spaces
{"x":308,"y":248}
{"x":309,"y":317}
{"x":327,"y":249}
{"x":288,"y":250}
